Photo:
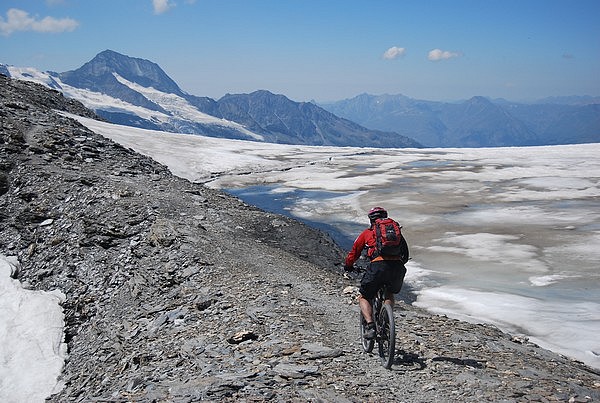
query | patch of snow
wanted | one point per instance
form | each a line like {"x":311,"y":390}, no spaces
{"x":32,"y":348}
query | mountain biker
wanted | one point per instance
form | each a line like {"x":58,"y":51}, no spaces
{"x":381,"y":270}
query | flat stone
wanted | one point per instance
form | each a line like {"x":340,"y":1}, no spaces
{"x":295,"y":371}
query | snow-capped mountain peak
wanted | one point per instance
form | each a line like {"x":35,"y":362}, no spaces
{"x":98,"y":71}
{"x":170,"y":111}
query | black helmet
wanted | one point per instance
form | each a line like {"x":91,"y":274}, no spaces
{"x":377,"y":212}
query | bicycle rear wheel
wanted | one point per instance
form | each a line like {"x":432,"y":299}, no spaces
{"x":367,"y":344}
{"x":386,"y":335}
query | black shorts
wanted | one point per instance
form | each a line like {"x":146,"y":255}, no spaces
{"x":389,"y":272}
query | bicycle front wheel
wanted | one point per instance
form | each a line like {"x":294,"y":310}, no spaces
{"x":367,"y":344}
{"x":386,"y":335}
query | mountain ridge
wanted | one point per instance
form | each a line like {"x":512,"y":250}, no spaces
{"x":286,"y":121}
{"x":127,"y":83}
{"x":366,"y":120}
{"x":476,"y":122}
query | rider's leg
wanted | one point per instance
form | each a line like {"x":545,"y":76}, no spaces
{"x":389,"y":298}
{"x":397,"y":272}
{"x":365,"y":308}
{"x":367,"y":313}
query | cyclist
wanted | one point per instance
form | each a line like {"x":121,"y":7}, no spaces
{"x":381,"y":270}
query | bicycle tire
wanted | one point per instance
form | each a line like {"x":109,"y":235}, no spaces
{"x":367,"y":344}
{"x":386,"y":335}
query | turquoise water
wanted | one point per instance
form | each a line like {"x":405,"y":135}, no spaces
{"x":281,"y":202}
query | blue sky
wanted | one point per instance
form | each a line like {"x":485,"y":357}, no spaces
{"x":324,"y":49}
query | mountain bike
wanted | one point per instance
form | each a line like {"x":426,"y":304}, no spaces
{"x":385,"y":329}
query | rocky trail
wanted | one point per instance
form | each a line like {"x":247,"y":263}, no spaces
{"x":179,"y":293}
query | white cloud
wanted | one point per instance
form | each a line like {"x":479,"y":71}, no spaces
{"x":394,"y":52}
{"x":162,"y":6}
{"x":438,"y":54}
{"x":19,"y":20}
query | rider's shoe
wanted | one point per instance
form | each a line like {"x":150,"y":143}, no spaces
{"x":369,"y":331}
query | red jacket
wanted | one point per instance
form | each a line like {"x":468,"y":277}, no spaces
{"x":366,"y":239}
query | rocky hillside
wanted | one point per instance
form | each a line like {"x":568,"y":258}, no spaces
{"x":176,"y":292}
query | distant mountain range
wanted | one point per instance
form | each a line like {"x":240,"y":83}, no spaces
{"x":477,"y":122}
{"x":137,"y":92}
